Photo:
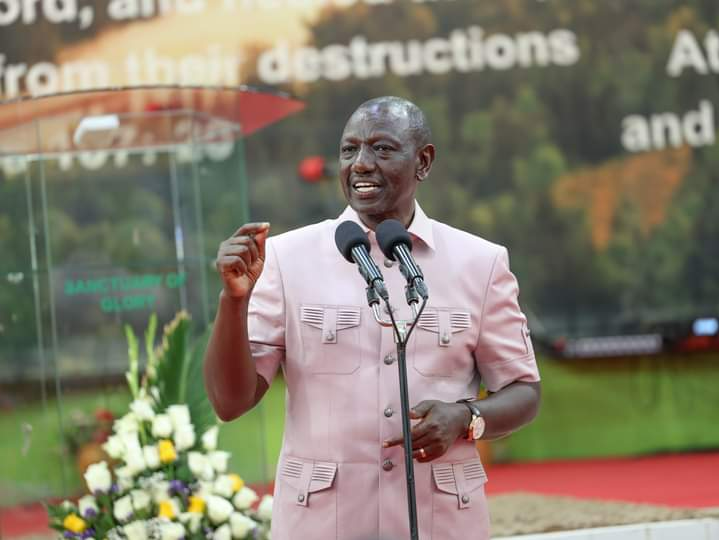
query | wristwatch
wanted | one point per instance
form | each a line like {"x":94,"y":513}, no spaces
{"x":477,"y":425}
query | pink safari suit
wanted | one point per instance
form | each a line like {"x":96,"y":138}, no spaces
{"x":309,"y":315}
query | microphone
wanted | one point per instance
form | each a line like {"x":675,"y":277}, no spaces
{"x":396,"y":244}
{"x":354,"y":246}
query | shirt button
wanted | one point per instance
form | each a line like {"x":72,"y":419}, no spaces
{"x":388,"y":263}
{"x":465,"y":499}
{"x":387,"y":465}
{"x":388,"y":412}
{"x":445,"y":338}
{"x":301,"y":498}
{"x":330,"y":335}
{"x":389,"y":359}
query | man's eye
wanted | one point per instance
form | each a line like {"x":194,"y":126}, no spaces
{"x":347,"y":149}
{"x":383,"y":148}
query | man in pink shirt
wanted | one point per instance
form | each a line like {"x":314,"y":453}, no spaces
{"x":293,"y":302}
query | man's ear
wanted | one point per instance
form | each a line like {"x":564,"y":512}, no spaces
{"x":425,"y":158}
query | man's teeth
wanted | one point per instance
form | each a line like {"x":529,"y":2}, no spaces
{"x":365,"y":188}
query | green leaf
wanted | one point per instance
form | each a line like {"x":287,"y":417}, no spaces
{"x":180,"y":378}
{"x":201,"y":411}
{"x":150,"y":346}
{"x":172,"y":366}
{"x":134,"y":360}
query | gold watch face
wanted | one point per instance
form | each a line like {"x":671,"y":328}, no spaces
{"x":476,"y":428}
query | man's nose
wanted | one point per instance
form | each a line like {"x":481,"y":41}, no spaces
{"x":364,"y":160}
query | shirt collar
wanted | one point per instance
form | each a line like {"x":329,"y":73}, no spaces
{"x":421,"y":226}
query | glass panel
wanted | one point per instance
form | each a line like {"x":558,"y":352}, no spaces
{"x":112,"y":205}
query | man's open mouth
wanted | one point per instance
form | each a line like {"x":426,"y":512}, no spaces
{"x":365,"y":187}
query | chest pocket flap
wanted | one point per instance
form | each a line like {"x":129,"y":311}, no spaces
{"x":330,"y":319}
{"x":459,"y":479}
{"x":330,"y":338}
{"x":444,"y":322}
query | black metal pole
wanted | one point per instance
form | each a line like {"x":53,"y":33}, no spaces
{"x":407,"y":433}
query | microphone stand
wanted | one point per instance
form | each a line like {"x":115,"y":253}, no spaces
{"x":401,"y":336}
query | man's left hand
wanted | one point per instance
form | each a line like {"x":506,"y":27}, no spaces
{"x":440,"y":425}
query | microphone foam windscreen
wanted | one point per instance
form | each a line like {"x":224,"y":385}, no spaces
{"x":348,"y":236}
{"x":390,"y":233}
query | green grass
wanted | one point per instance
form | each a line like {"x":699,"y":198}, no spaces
{"x":623,"y":406}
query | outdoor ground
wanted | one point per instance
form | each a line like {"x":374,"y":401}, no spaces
{"x":561,"y":495}
{"x":524,"y":497}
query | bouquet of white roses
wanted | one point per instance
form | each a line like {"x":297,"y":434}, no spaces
{"x":167,"y":479}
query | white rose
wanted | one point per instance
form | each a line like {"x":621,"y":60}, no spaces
{"x":98,"y":478}
{"x":264,"y":510}
{"x":184,"y":437}
{"x":137,"y":530}
{"x":223,"y":486}
{"x":152,"y":456}
{"x":205,"y":490}
{"x":218,"y":509}
{"x":245,"y":498}
{"x":223,"y":533}
{"x":135,"y":460}
{"x":200,"y":466}
{"x":140,"y":499}
{"x":114,"y":447}
{"x":161,"y":426}
{"x":171,"y":530}
{"x":209,"y":439}
{"x":142,"y":409}
{"x":160,"y":491}
{"x":88,"y":506}
{"x":130,"y":440}
{"x":180,"y":415}
{"x":124,"y":478}
{"x":192,"y":521}
{"x":241,"y":525}
{"x":219,"y":460}
{"x":127,"y":424}
{"x":123,"y":508}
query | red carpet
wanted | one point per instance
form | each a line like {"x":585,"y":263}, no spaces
{"x":683,"y":480}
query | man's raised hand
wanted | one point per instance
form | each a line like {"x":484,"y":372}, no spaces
{"x":241,"y":257}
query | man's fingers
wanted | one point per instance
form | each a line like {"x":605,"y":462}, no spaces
{"x":418,"y":441}
{"x":426,"y":453}
{"x":419,"y":431}
{"x":260,"y":239}
{"x":247,"y":242}
{"x":252,"y":229}
{"x":392,"y":442}
{"x":231,"y":263}
{"x":241,"y":251}
{"x":421,"y":409}
{"x":254,"y":236}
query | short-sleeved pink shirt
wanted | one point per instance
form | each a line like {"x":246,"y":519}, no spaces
{"x":309,"y":316}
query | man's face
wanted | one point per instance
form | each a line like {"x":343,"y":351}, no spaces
{"x":378,"y":165}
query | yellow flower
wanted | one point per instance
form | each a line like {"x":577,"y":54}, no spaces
{"x":166,"y":510}
{"x":237,"y":482}
{"x":74,"y":523}
{"x":167,"y":451}
{"x":197,"y":505}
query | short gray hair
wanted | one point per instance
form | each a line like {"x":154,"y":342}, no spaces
{"x":418,"y":124}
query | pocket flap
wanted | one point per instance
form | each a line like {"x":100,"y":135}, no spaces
{"x":444,"y":322}
{"x":308,"y":476}
{"x":459,"y":479}
{"x":330,"y":319}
